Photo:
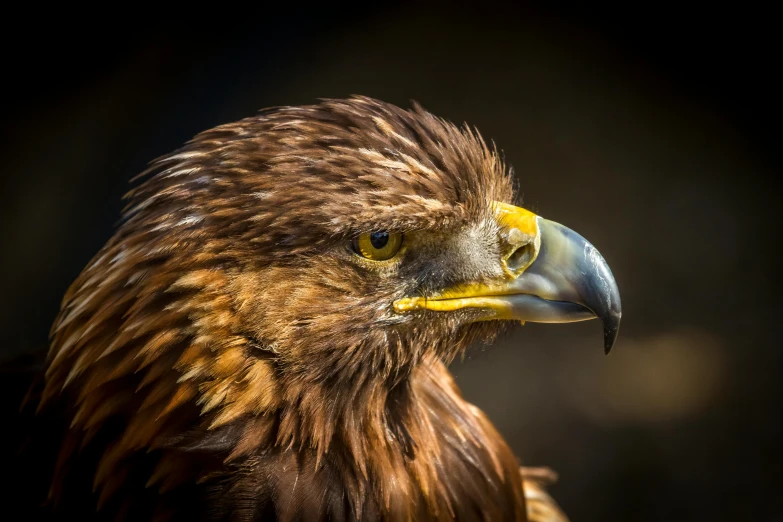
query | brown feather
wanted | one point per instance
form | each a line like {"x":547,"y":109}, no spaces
{"x":225,"y":338}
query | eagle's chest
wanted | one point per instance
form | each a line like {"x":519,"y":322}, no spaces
{"x":451,"y":465}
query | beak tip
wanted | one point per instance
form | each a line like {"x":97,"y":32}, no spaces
{"x":611,"y":329}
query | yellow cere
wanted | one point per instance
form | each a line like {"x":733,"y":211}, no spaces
{"x":521,"y":228}
{"x":509,"y":216}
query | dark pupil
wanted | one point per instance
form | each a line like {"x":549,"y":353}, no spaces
{"x":379,"y":239}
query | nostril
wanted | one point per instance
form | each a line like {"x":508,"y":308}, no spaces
{"x":520,"y":257}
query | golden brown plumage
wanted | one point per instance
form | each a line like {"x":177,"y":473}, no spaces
{"x":227,"y":355}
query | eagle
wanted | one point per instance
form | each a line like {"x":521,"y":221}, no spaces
{"x":267,"y":334}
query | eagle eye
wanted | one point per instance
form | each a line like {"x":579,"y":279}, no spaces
{"x":378,"y":246}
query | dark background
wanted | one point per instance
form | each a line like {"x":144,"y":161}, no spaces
{"x":653,"y":131}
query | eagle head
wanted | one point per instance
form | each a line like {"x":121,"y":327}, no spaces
{"x":285,"y":290}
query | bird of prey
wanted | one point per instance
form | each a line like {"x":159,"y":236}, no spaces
{"x":266,"y":336}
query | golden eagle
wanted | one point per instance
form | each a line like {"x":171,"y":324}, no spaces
{"x":266,"y":335}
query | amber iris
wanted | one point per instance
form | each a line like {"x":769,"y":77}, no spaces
{"x":378,"y":246}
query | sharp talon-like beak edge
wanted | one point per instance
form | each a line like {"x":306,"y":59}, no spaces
{"x":553,"y":275}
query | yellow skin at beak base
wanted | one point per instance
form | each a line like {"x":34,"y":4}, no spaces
{"x":552,"y":275}
{"x":469,"y":299}
{"x":519,"y":227}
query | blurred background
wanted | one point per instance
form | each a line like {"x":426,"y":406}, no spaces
{"x":653,"y":131}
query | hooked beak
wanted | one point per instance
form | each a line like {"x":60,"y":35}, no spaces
{"x":552,"y":275}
